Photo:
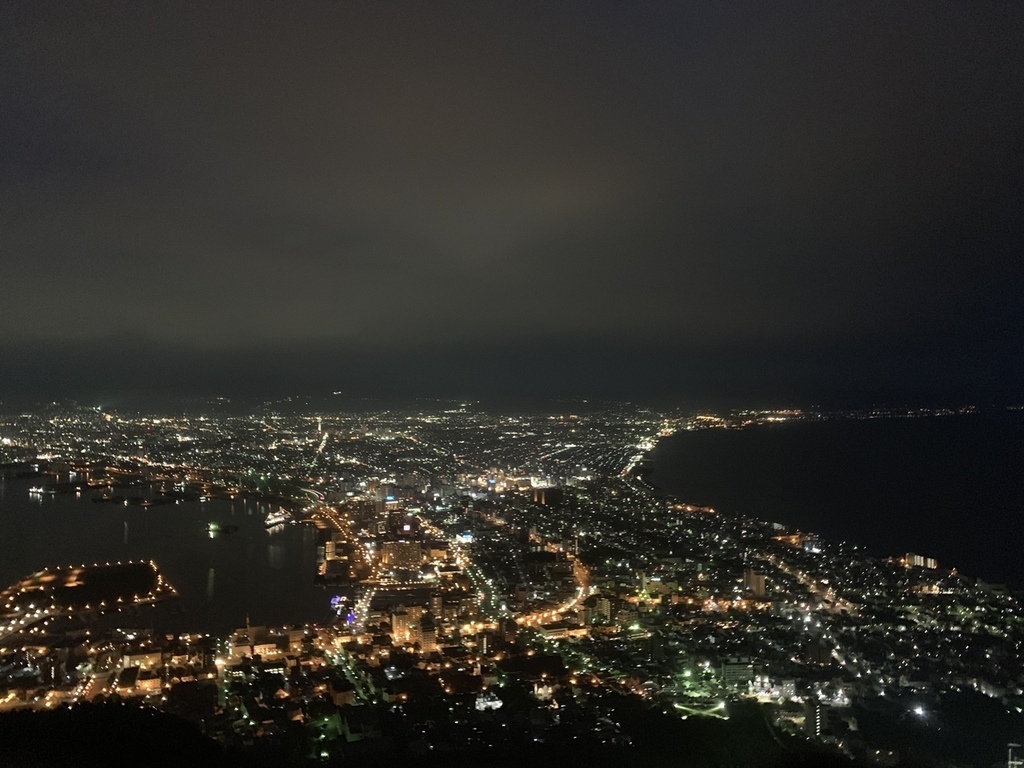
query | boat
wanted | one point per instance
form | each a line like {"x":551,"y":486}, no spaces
{"x":280,"y":517}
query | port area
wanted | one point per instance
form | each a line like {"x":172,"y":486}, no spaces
{"x":83,"y":592}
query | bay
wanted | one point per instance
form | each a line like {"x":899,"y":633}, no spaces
{"x":949,"y":487}
{"x":221,"y":578}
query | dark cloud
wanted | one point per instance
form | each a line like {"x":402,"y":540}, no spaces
{"x":832,"y":189}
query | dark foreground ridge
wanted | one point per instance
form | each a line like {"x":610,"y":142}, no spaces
{"x":116,"y":734}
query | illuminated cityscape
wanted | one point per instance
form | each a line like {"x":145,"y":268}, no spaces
{"x":516,"y":571}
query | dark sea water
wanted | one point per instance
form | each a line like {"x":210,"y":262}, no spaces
{"x":220,"y":578}
{"x":949,"y":487}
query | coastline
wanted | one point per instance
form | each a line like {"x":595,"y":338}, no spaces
{"x":219,"y":576}
{"x":890,"y":486}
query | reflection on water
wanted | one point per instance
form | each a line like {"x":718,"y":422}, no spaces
{"x":269,"y":576}
{"x":275,"y":556}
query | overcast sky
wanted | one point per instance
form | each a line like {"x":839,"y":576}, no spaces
{"x":783,"y":200}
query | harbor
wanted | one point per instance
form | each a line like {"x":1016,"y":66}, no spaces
{"x":82,"y":592}
{"x":219,"y":554}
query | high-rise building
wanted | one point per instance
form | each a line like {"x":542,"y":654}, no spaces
{"x":427,"y":634}
{"x":401,"y":554}
{"x":737,"y":673}
{"x":401,"y":629}
{"x":910,"y":560}
{"x":754,"y":582}
{"x":817,"y":720}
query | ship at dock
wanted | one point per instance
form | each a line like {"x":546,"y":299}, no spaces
{"x":281,"y":517}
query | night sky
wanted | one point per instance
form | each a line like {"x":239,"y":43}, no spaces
{"x":682,"y":202}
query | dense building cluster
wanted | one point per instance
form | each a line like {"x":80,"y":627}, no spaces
{"x":499,"y":579}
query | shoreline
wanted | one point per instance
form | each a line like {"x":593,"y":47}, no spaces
{"x":919,"y":503}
